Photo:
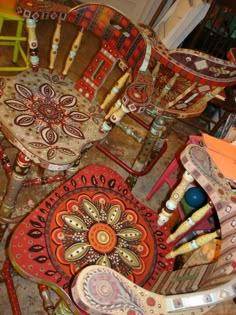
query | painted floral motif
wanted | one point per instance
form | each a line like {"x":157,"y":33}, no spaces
{"x":101,"y":231}
{"x":52,"y":116}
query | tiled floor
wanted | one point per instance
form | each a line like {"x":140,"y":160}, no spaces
{"x":27,"y":291}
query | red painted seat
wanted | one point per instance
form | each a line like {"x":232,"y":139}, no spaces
{"x":92,"y":218}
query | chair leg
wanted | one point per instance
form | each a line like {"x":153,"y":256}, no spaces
{"x":166,"y":178}
{"x":1,"y":23}
{"x":60,"y":309}
{"x":15,"y":184}
{"x":47,"y":302}
{"x":17,"y":43}
{"x":145,"y":155}
{"x":11,"y":288}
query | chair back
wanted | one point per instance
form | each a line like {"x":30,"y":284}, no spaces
{"x":185,"y":80}
{"x":200,"y":166}
{"x":120,"y":42}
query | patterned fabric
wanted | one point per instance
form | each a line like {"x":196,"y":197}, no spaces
{"x":91,"y":219}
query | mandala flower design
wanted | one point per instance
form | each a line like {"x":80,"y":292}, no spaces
{"x":101,"y":231}
{"x":50,"y":114}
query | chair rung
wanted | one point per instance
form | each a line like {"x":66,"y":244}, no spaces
{"x":13,"y":38}
{"x":11,"y":16}
{"x":9,"y":69}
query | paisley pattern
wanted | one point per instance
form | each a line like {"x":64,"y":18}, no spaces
{"x":92,"y":219}
{"x":138,"y":94}
{"x":106,"y":291}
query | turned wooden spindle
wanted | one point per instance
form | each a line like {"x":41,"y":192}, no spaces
{"x":33,"y":44}
{"x":156,"y":69}
{"x":47,"y":302}
{"x":114,"y":108}
{"x":205,"y":99}
{"x":175,"y":198}
{"x":187,"y":224}
{"x":130,"y":132}
{"x":167,"y":87}
{"x":73,"y":52}
{"x":116,"y":89}
{"x":119,"y":114}
{"x":194,"y":244}
{"x":55,"y":45}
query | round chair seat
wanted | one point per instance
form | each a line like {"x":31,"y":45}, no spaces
{"x":47,"y":118}
{"x":92,"y":219}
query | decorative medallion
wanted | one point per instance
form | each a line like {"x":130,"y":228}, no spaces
{"x":50,"y":114}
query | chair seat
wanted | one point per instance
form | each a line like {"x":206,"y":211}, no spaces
{"x":91,"y":219}
{"x":47,"y":118}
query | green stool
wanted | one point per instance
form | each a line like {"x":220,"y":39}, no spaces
{"x":7,"y":13}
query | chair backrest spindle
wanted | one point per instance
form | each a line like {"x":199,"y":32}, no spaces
{"x":73,"y":52}
{"x":33,"y":44}
{"x":55,"y":46}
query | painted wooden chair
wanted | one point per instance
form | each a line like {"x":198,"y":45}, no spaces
{"x":165,"y":83}
{"x":190,"y":290}
{"x":52,"y":119}
{"x":20,"y":60}
{"x":92,"y":218}
{"x":180,"y":83}
{"x":91,"y":230}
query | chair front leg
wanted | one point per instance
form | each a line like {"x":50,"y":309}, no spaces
{"x":46,"y":298}
{"x":15,"y":184}
{"x":11,"y":290}
{"x":148,"y":148}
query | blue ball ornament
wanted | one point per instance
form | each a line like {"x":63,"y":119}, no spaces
{"x":196,"y":197}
